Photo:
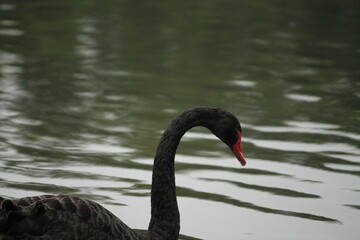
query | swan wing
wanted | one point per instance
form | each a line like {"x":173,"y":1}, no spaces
{"x":60,"y":217}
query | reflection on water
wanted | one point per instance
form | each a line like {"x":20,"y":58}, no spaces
{"x":87,"y":88}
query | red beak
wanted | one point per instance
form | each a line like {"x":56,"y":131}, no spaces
{"x":237,"y":150}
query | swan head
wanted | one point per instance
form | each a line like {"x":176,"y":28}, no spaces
{"x":227,"y":128}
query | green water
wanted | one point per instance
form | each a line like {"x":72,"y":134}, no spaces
{"x":87,"y":87}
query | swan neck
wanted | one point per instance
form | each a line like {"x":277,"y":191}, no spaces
{"x":165,"y":217}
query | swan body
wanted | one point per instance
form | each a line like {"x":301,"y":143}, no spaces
{"x":71,"y":218}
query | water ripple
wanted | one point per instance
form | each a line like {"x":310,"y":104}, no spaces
{"x":187,"y":192}
{"x":305,"y":127}
{"x":305,"y":147}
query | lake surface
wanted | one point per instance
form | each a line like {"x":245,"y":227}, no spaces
{"x":87,"y":87}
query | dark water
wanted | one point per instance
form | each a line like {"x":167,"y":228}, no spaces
{"x":86,"y":87}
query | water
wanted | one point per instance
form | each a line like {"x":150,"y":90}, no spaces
{"x":87,"y":87}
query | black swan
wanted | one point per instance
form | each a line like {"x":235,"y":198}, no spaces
{"x":71,"y":218}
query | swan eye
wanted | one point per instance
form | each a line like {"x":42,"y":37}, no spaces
{"x":235,"y":136}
